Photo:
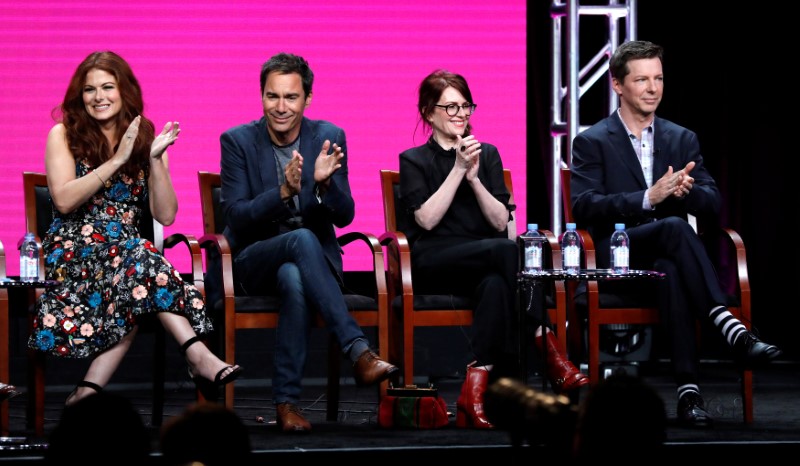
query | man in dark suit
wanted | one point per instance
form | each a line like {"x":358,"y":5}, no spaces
{"x":284,"y":189}
{"x":647,"y":172}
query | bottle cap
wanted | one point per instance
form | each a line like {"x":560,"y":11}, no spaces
{"x":570,"y":226}
{"x":619,"y":226}
{"x":533,"y":226}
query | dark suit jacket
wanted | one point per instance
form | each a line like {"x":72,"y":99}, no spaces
{"x":251,"y":201}
{"x":608,"y":184}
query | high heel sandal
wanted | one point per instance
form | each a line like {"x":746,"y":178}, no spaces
{"x":207,"y":387}
{"x":82,"y":383}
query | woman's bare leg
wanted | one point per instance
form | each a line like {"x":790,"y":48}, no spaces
{"x":201,"y":360}
{"x":103,"y":367}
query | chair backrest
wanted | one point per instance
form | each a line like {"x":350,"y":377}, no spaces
{"x":390,"y":185}
{"x":210,"y":193}
{"x":39,"y":209}
{"x":395,"y":221}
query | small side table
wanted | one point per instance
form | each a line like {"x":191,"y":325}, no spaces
{"x":5,"y":285}
{"x":548,"y":275}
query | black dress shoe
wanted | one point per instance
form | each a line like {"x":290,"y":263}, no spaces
{"x":692,"y":411}
{"x":752,"y":352}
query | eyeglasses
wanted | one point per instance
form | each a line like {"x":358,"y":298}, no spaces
{"x":452,"y":109}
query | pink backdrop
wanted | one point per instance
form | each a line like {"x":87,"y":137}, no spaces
{"x":199,"y":63}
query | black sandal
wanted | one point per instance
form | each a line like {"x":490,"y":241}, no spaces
{"x":210,"y":388}
{"x":83,"y":383}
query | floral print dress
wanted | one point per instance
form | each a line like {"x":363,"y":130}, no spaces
{"x":109,"y":275}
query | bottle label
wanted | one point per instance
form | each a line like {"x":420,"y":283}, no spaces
{"x":28,"y":268}
{"x":533,"y":257}
{"x":572,"y":256}
{"x":621,"y":257}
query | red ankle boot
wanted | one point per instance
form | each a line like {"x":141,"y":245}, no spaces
{"x":469,"y":407}
{"x":563,"y":375}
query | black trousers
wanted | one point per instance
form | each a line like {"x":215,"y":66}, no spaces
{"x":484,"y":269}
{"x":689,"y":291}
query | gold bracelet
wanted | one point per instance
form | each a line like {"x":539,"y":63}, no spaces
{"x":103,"y":183}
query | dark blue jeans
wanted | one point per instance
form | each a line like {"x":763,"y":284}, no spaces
{"x":293,"y":265}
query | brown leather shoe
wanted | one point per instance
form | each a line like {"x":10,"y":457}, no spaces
{"x":290,"y":419}
{"x":370,"y":369}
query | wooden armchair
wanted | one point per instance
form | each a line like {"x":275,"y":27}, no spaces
{"x":607,"y":308}
{"x":238,"y":312}
{"x":38,"y":217}
{"x":411,"y":310}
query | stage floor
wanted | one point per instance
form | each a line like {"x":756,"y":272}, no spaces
{"x":776,"y":425}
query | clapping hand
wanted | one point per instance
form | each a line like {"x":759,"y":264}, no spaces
{"x":683,"y":182}
{"x":468,"y":152}
{"x":167,"y":137}
{"x":673,"y":183}
{"x":326,"y":164}
{"x":294,"y":173}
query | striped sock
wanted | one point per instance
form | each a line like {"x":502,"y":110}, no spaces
{"x":730,"y":326}
{"x":686,"y":388}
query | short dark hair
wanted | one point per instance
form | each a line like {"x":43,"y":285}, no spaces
{"x":287,"y":63}
{"x":632,"y":50}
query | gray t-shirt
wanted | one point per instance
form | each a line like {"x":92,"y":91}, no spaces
{"x":283,"y":155}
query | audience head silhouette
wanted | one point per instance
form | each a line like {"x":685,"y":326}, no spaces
{"x":621,"y":413}
{"x":100,"y":429}
{"x":207,"y":433}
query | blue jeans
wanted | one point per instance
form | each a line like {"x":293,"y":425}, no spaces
{"x":293,"y":265}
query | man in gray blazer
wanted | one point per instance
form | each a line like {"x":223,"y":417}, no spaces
{"x":647,"y":172}
{"x":284,"y":189}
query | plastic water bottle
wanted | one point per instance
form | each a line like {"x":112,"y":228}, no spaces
{"x":29,"y":259}
{"x":620,"y":249}
{"x":571,"y":250}
{"x":532,"y":249}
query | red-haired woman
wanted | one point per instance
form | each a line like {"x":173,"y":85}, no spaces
{"x":105,"y":165}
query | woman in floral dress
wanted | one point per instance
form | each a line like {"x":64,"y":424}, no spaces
{"x":105,"y":165}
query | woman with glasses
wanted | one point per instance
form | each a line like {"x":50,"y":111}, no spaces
{"x":454,"y":195}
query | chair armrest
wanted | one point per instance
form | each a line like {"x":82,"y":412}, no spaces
{"x":588,"y":261}
{"x":555,"y":249}
{"x":378,"y":266}
{"x":588,"y":258}
{"x":193,"y":248}
{"x":399,"y":260}
{"x":558,"y":286}
{"x":736,"y":242}
{"x":219,"y":244}
{"x":727,"y":251}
